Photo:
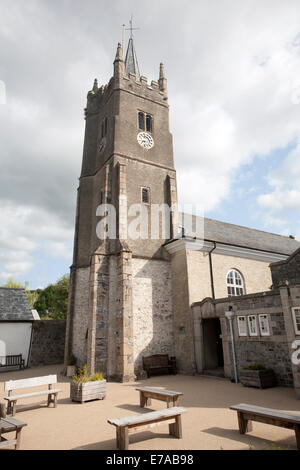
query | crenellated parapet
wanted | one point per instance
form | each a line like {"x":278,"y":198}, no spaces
{"x":126,"y":76}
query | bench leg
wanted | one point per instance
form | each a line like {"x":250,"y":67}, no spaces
{"x":142,"y":400}
{"x":18,"y":437}
{"x":175,"y":429}
{"x":178,"y":427}
{"x":123,"y":438}
{"x":297,"y":433}
{"x":244,"y":424}
{"x":13,"y":408}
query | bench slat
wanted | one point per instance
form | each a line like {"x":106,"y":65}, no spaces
{"x":32,"y":382}
{"x":6,"y":443}
{"x":267,"y":412}
{"x":170,"y":393}
{"x":33,"y":394}
{"x":147,"y":417}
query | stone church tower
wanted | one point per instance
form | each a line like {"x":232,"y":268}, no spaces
{"x":120,"y":302}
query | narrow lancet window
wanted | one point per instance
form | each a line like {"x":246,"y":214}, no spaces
{"x":148,"y":123}
{"x":141,"y":121}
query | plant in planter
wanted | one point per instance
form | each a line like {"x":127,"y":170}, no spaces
{"x":85,"y":387}
{"x":257,"y":375}
{"x":71,"y":365}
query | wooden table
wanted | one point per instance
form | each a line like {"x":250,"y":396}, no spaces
{"x":10,"y":424}
{"x":169,"y":396}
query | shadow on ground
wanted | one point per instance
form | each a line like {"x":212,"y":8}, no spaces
{"x":254,"y":442}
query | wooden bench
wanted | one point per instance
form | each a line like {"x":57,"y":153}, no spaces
{"x":247,"y":413}
{"x":28,"y":383}
{"x":130,"y":424}
{"x":169,"y":396}
{"x":10,"y":424}
{"x":12,"y":360}
{"x":159,"y":363}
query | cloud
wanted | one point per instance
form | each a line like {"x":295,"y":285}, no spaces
{"x":233,"y":76}
{"x":24,"y":232}
{"x":281,"y":201}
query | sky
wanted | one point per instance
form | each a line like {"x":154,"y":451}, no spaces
{"x":233,"y":70}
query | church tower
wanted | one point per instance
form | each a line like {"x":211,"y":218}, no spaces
{"x":120,"y":301}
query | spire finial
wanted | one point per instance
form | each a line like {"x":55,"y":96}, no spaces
{"x":131,"y":63}
{"x":131,"y":29}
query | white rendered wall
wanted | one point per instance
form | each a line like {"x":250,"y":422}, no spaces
{"x":15,"y":339}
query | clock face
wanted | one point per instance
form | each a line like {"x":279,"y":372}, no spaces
{"x":102,"y":144}
{"x":145,"y":140}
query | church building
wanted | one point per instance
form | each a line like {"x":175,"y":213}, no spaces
{"x":135,"y":296}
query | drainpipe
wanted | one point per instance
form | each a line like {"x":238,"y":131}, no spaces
{"x":229,"y":315}
{"x":211,"y":271}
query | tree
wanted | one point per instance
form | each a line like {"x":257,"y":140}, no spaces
{"x":52,"y":301}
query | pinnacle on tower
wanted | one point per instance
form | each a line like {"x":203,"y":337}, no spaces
{"x":119,"y":63}
{"x":162,"y":79}
{"x":119,"y":54}
{"x":131,"y":63}
{"x":95,"y":86}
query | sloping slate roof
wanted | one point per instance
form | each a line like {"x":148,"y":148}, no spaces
{"x":14,"y":305}
{"x":224,"y":232}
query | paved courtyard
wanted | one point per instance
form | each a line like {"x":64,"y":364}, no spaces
{"x":208,"y":423}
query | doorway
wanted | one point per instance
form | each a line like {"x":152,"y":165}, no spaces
{"x":213,"y":347}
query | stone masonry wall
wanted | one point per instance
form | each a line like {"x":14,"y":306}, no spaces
{"x":48,"y":342}
{"x":272,"y":350}
{"x":152,"y":309}
{"x":81,"y":315}
{"x":286,"y":270}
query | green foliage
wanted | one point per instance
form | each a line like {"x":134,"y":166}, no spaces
{"x":82,"y":376}
{"x":72,"y":360}
{"x":97,"y":376}
{"x":254,"y":367}
{"x":12,"y":284}
{"x":52,"y":302}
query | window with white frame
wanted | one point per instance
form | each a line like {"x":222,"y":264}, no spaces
{"x":264,"y":325}
{"x":252,"y":324}
{"x":296,"y":318}
{"x":242,"y":325}
{"x":235,"y":283}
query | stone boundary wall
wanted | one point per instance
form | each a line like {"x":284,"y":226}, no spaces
{"x":48,"y":342}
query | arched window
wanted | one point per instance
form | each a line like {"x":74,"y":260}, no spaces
{"x":235,"y":283}
{"x":141,"y":121}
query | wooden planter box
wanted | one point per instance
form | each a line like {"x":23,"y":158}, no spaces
{"x":258,"y":378}
{"x":88,"y":391}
